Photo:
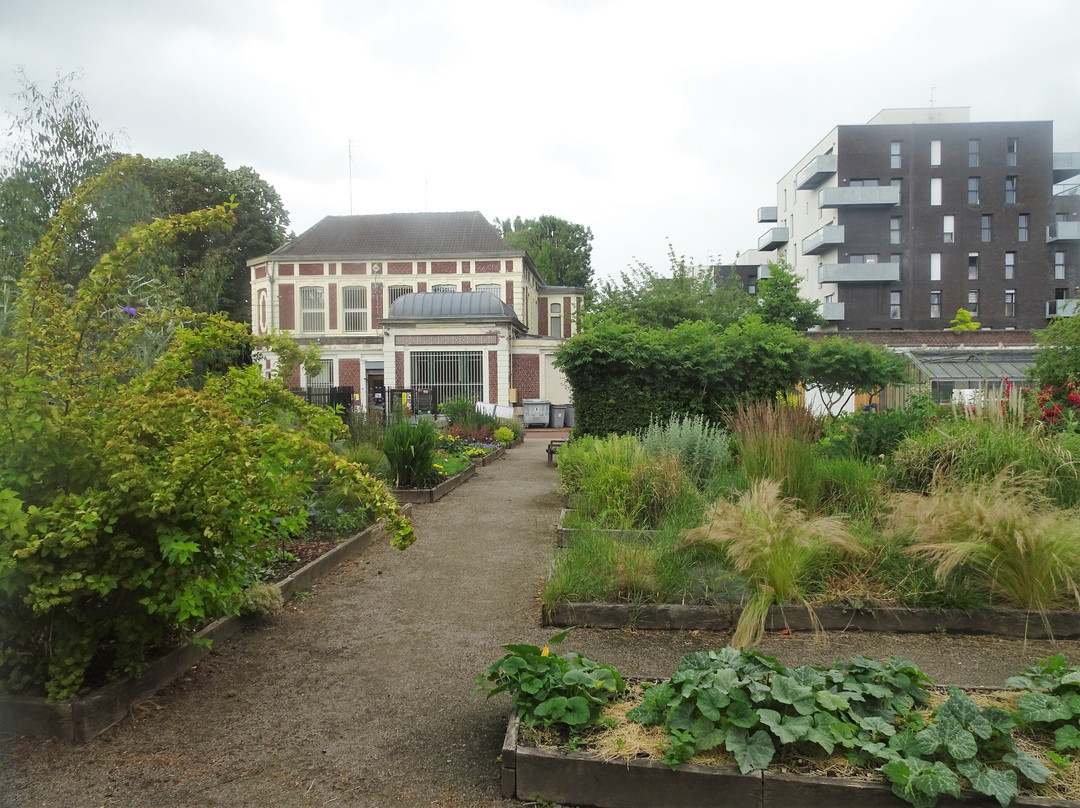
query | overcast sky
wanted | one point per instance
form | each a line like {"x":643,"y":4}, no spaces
{"x":651,"y":122}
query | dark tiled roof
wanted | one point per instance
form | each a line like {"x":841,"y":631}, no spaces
{"x":450,"y":306}
{"x":391,"y":235}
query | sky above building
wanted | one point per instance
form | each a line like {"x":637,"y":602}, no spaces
{"x":653,"y":123}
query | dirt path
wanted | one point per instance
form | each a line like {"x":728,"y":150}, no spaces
{"x":359,"y":694}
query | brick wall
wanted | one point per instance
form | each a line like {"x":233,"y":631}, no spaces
{"x":542,"y":323}
{"x":493,"y":376}
{"x":525,"y":375}
{"x":287,"y":307}
{"x":351,"y":373}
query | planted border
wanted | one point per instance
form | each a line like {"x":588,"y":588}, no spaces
{"x":565,"y":534}
{"x":424,"y":496}
{"x":81,"y":719}
{"x":1063,"y":625}
{"x":577,"y":778}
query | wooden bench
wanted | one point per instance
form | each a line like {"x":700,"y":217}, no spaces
{"x":553,"y":447}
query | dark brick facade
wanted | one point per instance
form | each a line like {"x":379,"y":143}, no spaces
{"x":399,"y":268}
{"x":351,"y":373}
{"x":487,"y":266}
{"x":311,"y":269}
{"x":287,"y":307}
{"x":493,"y":375}
{"x":525,"y":375}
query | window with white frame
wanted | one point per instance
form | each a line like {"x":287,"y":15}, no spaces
{"x":448,"y":374}
{"x":394,"y":292}
{"x":935,"y":152}
{"x":986,"y":225}
{"x":935,"y":190}
{"x":1012,"y":148}
{"x":935,"y":266}
{"x":935,"y":304}
{"x":555,"y":319}
{"x":948,"y":229}
{"x":973,"y":153}
{"x":354,"y":308}
{"x":894,"y":229}
{"x":1010,"y":190}
{"x":973,"y":302}
{"x":490,"y":288}
{"x":312,"y":308}
{"x":444,"y":287}
{"x":1010,"y":265}
{"x":1010,"y":302}
{"x":894,"y":154}
{"x":1023,"y":226}
{"x":1059,"y":265}
{"x":325,"y":376}
{"x":973,"y":191}
{"x":894,"y":305}
{"x":973,"y":266}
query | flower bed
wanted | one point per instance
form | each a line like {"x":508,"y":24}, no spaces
{"x":422,"y":496}
{"x":82,"y":718}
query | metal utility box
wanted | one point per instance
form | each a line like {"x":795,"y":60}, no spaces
{"x":537,"y":411}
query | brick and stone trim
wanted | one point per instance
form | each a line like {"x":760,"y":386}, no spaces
{"x":311,"y":269}
{"x":399,"y":268}
{"x":525,"y":375}
{"x":287,"y":307}
{"x":493,"y":376}
{"x":354,"y":269}
{"x":487,"y":266}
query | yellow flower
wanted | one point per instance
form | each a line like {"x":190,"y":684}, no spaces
{"x":545,"y":652}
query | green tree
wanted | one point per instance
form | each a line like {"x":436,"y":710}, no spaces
{"x":963,"y":322}
{"x":1058,"y":362}
{"x":779,"y":301}
{"x":561,"y":250}
{"x":651,"y":300}
{"x":210,"y":269}
{"x":842,"y":367}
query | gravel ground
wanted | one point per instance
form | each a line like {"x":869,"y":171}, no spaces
{"x":358,"y":695}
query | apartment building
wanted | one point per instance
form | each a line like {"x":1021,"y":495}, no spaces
{"x":897,"y":224}
{"x":437,"y":301}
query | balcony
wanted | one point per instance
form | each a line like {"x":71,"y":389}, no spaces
{"x":816,"y":172}
{"x":873,"y":196}
{"x":766,"y":214}
{"x":832,"y":311}
{"x":772,"y":238}
{"x":1062,"y":308}
{"x":827,"y":238}
{"x":1066,"y":164}
{"x":1063,"y":231}
{"x":858,"y":273}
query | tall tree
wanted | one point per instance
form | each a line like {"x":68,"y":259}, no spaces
{"x":561,"y":250}
{"x":210,"y":268}
{"x":687,"y":293}
{"x":779,"y":301}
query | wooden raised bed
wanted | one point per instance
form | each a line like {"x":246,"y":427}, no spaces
{"x":576,"y":778}
{"x":1002,"y":622}
{"x":490,"y":457}
{"x":423,"y":496}
{"x":82,"y":718}
{"x":565,"y":534}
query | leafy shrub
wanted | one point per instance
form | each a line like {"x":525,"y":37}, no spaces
{"x":514,"y":425}
{"x":871,"y":435}
{"x":547,"y":689}
{"x":504,"y":435}
{"x":457,"y":409}
{"x":139,"y":491}
{"x":410,"y":453}
{"x":701,"y":448}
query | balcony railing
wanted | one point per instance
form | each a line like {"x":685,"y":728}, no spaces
{"x":816,"y":172}
{"x":1066,"y":164}
{"x":1063,"y":231}
{"x":860,"y":196}
{"x":827,"y":238}
{"x":766,"y":214}
{"x":832,"y":311}
{"x":858,"y":273}
{"x":772,"y":238}
{"x":1062,"y":308}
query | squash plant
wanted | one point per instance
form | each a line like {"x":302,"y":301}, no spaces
{"x":140,"y":492}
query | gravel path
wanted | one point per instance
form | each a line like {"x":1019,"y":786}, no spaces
{"x":359,"y":694}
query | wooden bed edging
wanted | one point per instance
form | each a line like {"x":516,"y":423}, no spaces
{"x":1064,"y":625}
{"x":425,"y":496}
{"x":81,"y":719}
{"x":576,"y":778}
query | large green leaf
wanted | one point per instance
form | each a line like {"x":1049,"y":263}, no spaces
{"x":1042,"y":708}
{"x":753,"y":753}
{"x":1001,"y":785}
{"x":788,"y":691}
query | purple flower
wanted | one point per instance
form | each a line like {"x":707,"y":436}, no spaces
{"x":130,"y":310}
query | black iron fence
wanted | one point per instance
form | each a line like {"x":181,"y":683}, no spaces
{"x":323,"y":395}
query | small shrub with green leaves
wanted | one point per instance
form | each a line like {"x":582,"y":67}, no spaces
{"x":514,"y":425}
{"x":261,"y":600}
{"x":411,"y":453}
{"x":703,"y":449}
{"x":504,"y":435}
{"x":547,"y":689}
{"x":1053,"y":704}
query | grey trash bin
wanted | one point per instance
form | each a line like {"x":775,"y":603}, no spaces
{"x":569,"y":415}
{"x":558,"y":416}
{"x":536,"y":411}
